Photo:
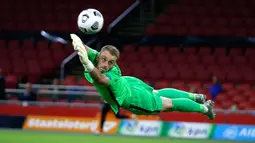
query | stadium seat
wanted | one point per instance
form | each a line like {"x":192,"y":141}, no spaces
{"x":129,"y":49}
{"x":159,"y":50}
{"x":162,"y":84}
{"x":244,"y":87}
{"x":11,"y":81}
{"x":69,"y":80}
{"x":144,"y":49}
{"x":190,"y":51}
{"x":250,"y":52}
{"x":208,"y":60}
{"x":236,"y":52}
{"x":239,"y":60}
{"x":224,"y":60}
{"x":193,"y":59}
{"x":204,"y":51}
{"x":220,"y":51}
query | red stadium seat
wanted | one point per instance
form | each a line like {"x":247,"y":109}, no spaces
{"x":228,"y":86}
{"x":2,"y":44}
{"x":68,"y":49}
{"x":84,"y":82}
{"x":178,"y":59}
{"x":227,"y":105}
{"x":47,"y":66}
{"x":220,"y":52}
{"x":155,"y":74}
{"x":238,"y":99}
{"x":42,"y":45}
{"x":173,"y":51}
{"x":159,"y":50}
{"x":129,"y":49}
{"x":11,"y":81}
{"x":14,"y":44}
{"x":190,"y":51}
{"x":147,"y":57}
{"x":193,"y":59}
{"x":244,"y":87}
{"x":162,"y":19}
{"x":236,"y":52}
{"x":239,"y":60}
{"x":234,"y":76}
{"x":144,"y":49}
{"x":4,"y":53}
{"x":203,"y":75}
{"x":249,"y":77}
{"x":6,"y":66}
{"x":204,"y":51}
{"x":150,"y":29}
{"x":196,"y":84}
{"x":224,"y":60}
{"x":208,"y":60}
{"x":171,"y":75}
{"x":187,"y":75}
{"x":69,"y":80}
{"x":250,"y":52}
{"x":28,"y":44}
{"x":162,"y":84}
{"x":132,"y":57}
{"x":140,"y":72}
{"x":162,"y":59}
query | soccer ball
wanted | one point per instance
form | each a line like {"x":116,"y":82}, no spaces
{"x":90,"y":21}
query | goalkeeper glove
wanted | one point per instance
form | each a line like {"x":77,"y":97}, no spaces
{"x":83,"y":55}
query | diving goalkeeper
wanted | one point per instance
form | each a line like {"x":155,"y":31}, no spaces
{"x":130,"y":93}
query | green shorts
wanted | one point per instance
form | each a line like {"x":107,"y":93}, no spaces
{"x":143,"y":101}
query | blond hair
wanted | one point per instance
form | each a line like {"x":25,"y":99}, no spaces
{"x":112,"y":49}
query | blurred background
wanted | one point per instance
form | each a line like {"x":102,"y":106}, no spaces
{"x":193,"y":45}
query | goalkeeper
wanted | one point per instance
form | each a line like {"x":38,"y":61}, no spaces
{"x":131,"y":93}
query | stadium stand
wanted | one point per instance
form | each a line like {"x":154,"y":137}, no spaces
{"x":203,"y":18}
{"x":30,"y":59}
{"x":52,"y":15}
{"x":232,"y":66}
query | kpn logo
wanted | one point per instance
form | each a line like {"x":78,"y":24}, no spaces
{"x":131,"y":126}
{"x":179,"y":128}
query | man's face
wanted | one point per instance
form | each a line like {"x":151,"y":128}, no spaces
{"x":214,"y":80}
{"x":105,"y":61}
{"x":28,"y":87}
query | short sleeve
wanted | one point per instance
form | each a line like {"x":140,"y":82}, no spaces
{"x":113,"y":75}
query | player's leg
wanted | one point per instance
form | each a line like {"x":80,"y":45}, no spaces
{"x":187,"y":105}
{"x":146,"y":102}
{"x":174,"y":93}
{"x":105,"y":109}
{"x":121,"y":116}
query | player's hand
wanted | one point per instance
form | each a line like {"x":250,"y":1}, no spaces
{"x":76,"y":41}
{"x":78,"y":45}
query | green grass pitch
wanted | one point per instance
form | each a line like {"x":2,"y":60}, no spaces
{"x":18,"y":136}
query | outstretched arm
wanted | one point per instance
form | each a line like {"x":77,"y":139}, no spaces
{"x":87,"y":64}
{"x":98,"y":77}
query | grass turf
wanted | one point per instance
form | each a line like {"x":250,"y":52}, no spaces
{"x":16,"y":136}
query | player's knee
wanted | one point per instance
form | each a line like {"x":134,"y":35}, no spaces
{"x":167,"y":103}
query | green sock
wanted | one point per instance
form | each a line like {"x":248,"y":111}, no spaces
{"x":187,"y":105}
{"x":174,"y":93}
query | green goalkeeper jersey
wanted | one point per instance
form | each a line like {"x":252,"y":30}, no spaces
{"x":117,"y":91}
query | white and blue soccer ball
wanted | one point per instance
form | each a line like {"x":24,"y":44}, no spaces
{"x":90,"y":21}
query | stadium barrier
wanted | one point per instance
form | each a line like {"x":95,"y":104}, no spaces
{"x":70,"y":124}
{"x":152,"y":128}
{"x":14,"y":107}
